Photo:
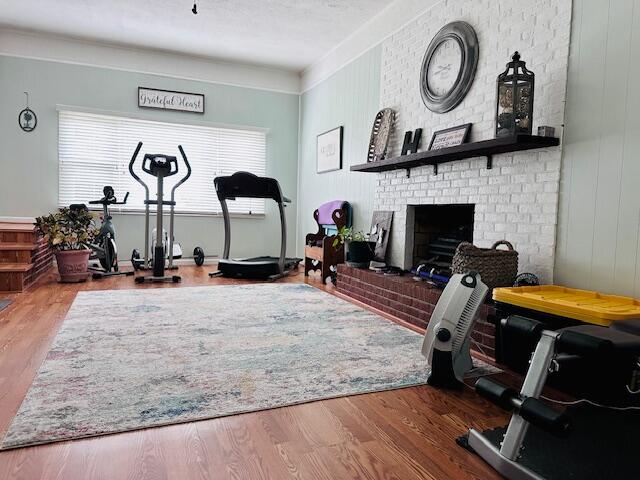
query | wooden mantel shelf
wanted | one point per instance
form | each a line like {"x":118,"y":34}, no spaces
{"x":484,"y":148}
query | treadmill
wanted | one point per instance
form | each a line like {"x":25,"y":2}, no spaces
{"x":248,"y":185}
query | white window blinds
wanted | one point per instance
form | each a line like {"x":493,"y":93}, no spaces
{"x":95,"y":150}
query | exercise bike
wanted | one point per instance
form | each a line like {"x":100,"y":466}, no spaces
{"x":159,"y":166}
{"x":104,"y":248}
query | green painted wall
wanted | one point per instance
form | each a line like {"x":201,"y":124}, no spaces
{"x":29,"y":172}
{"x":350,"y":98}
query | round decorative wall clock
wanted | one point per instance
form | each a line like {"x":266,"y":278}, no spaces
{"x":449,"y":66}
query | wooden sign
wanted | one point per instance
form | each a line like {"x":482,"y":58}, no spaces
{"x":379,"y":233}
{"x":170,"y":100}
{"x":450,"y":137}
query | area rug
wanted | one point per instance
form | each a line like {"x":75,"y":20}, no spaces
{"x":4,"y":304}
{"x":131,"y":359}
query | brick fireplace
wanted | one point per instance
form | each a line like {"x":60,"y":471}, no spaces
{"x":517,"y":198}
{"x":408,"y":300}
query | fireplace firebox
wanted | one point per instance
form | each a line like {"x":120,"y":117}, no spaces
{"x":435,"y":231}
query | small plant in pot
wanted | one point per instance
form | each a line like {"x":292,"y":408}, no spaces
{"x":359,"y":249}
{"x":68,"y":231}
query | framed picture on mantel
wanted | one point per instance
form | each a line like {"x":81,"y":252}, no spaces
{"x":450,"y":137}
{"x":329,"y":150}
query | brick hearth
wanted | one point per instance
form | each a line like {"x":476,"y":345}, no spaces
{"x":408,"y":300}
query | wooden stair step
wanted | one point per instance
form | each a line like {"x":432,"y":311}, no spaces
{"x":15,"y":246}
{"x":16,"y":227}
{"x":15,"y":267}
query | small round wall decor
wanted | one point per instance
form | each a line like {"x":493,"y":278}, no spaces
{"x":449,"y":66}
{"x":27,"y":118}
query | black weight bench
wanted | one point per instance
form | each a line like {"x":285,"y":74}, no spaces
{"x":504,"y":450}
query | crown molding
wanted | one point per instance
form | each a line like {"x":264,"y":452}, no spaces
{"x":390,"y":20}
{"x":39,"y":46}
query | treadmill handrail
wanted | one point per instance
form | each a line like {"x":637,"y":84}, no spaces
{"x":227,"y":228}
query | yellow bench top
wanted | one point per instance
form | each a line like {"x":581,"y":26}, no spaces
{"x":583,"y":305}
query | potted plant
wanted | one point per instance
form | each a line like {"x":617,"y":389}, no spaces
{"x":359,"y":249}
{"x":68,"y":231}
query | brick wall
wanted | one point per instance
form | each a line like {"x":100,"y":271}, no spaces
{"x":518,"y":198}
{"x":408,"y":300}
{"x":42,"y":260}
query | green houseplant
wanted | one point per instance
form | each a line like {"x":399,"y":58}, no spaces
{"x":359,"y":249}
{"x":67,"y":232}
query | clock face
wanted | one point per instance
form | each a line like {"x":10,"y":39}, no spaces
{"x":444,"y":67}
{"x":448,"y":67}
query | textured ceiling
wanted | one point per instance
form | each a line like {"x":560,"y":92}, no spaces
{"x":286,"y":34}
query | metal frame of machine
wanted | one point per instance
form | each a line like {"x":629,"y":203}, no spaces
{"x":248,"y":185}
{"x":160,"y":166}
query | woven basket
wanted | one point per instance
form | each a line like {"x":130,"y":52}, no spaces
{"x":497,"y":268}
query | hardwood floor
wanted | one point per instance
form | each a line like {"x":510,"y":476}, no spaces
{"x":402,"y":435}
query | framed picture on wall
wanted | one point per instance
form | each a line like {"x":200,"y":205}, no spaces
{"x":450,"y":137}
{"x":329,"y":150}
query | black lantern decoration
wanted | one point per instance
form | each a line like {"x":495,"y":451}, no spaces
{"x":514,"y":113}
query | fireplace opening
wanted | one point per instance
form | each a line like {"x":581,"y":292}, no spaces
{"x":437,"y":231}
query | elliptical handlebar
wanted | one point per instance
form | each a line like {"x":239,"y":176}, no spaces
{"x":173,"y":202}
{"x":133,"y":174}
{"x":147,"y":259}
{"x":188,"y":165}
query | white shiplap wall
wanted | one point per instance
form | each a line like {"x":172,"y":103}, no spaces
{"x":349,"y":98}
{"x":598,"y":242}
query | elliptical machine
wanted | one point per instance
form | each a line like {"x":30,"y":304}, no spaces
{"x":160,"y":166}
{"x":104,"y":248}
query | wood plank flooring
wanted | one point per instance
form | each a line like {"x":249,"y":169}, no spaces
{"x":398,"y":435}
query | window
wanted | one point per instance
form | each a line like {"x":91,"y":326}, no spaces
{"x":95,"y":150}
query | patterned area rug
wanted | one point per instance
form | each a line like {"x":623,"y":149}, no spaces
{"x":130,"y":359}
{"x":4,"y":304}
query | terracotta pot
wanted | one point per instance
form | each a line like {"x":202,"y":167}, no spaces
{"x":73,"y":265}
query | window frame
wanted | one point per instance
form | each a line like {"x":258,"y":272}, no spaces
{"x":144,"y":116}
